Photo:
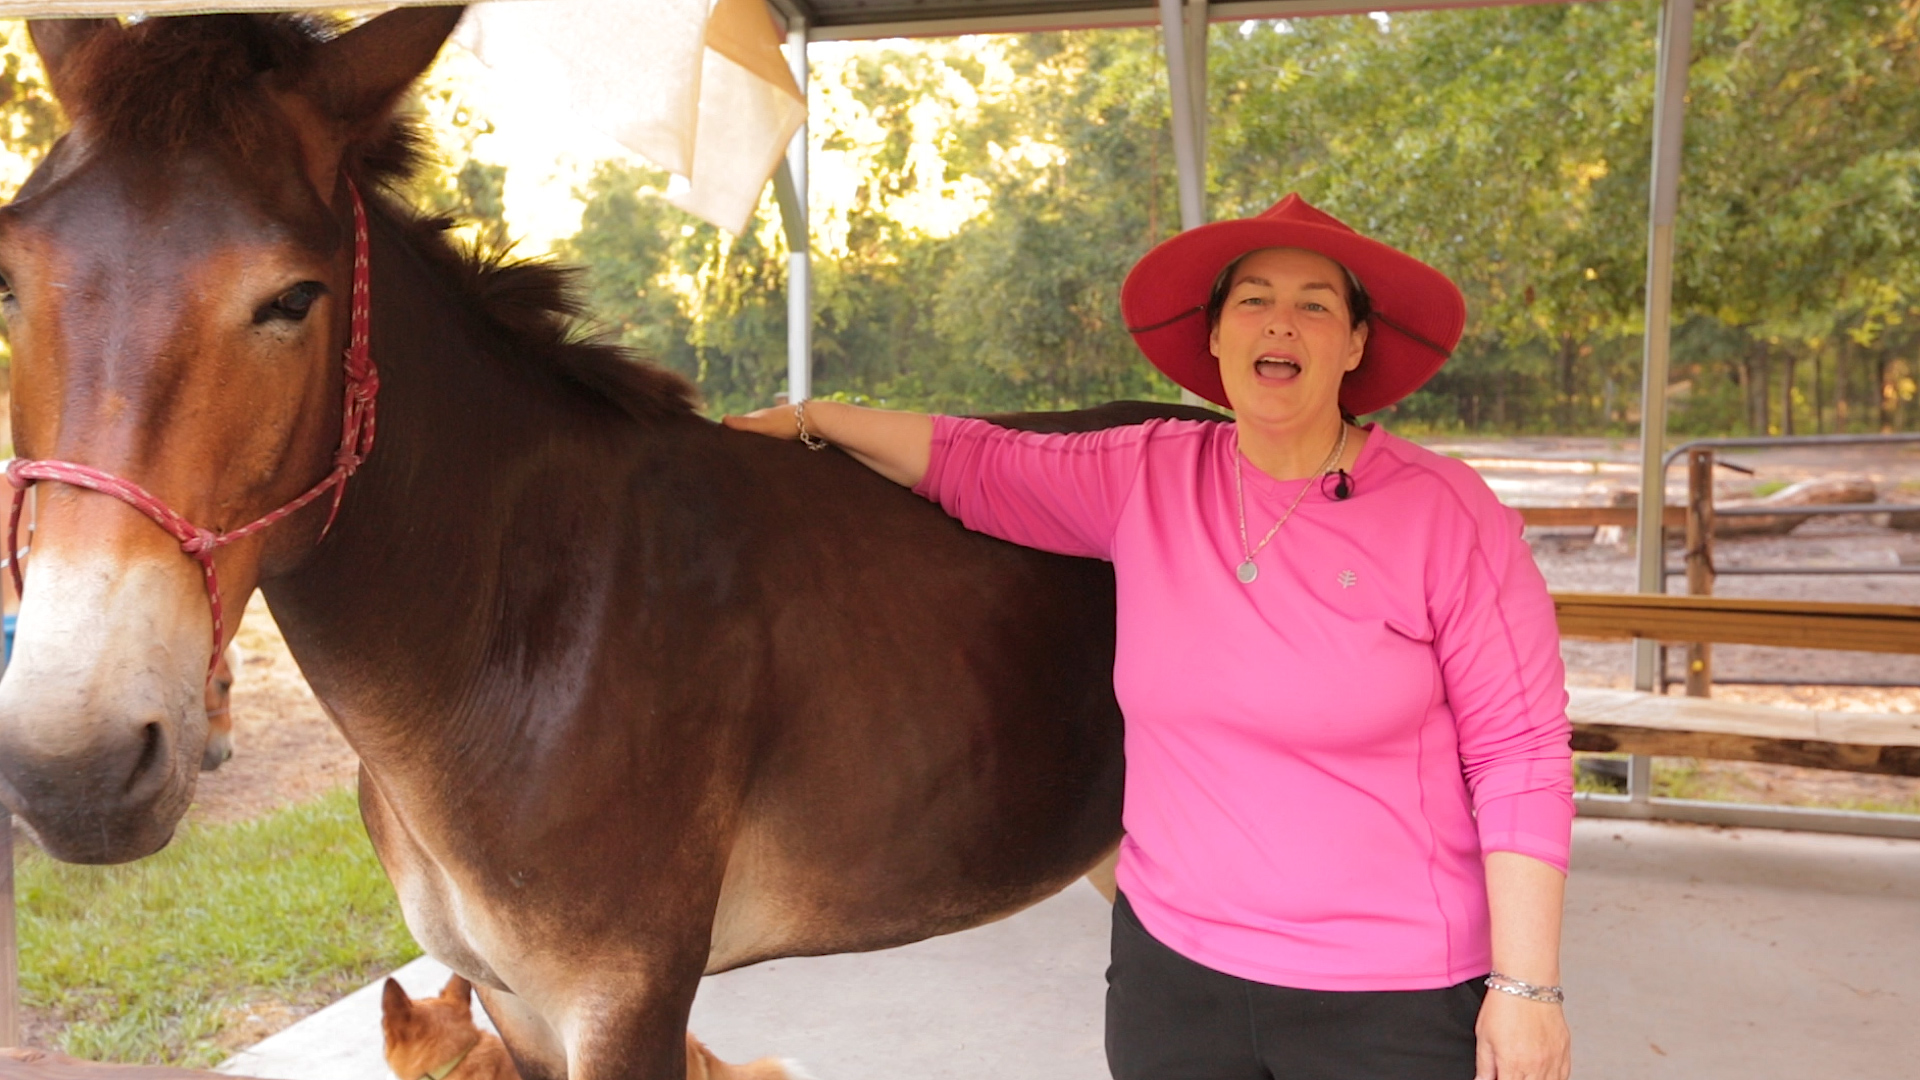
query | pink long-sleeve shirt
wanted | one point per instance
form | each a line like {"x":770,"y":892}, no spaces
{"x":1317,"y":762}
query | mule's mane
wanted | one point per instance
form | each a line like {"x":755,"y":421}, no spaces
{"x":163,"y":85}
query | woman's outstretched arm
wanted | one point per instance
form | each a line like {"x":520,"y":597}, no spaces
{"x":894,"y":444}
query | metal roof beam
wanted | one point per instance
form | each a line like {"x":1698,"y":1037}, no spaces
{"x":1041,"y":16}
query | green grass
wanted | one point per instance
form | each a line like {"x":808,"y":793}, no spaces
{"x":1767,"y":487}
{"x":145,"y":962}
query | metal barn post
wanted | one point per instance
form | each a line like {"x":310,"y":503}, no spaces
{"x":1670,"y":93}
{"x":1183,"y":38}
{"x":799,"y":244}
{"x":1196,"y":34}
{"x":1186,"y":147}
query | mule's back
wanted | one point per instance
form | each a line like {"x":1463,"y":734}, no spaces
{"x":943,"y":746}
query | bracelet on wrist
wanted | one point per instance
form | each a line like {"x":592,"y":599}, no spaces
{"x":1506,"y":984}
{"x":807,"y":438}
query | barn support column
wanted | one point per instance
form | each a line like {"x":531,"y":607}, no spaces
{"x":790,"y":186}
{"x":1183,"y":37}
{"x":1670,"y":90}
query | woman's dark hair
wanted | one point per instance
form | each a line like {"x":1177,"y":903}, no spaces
{"x":1359,"y":304}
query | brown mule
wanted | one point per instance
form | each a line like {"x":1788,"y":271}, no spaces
{"x":635,"y":697}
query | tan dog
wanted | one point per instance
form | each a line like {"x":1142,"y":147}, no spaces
{"x":702,"y":1065}
{"x":436,"y":1039}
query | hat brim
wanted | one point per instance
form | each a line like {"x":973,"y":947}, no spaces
{"x":1418,"y":313}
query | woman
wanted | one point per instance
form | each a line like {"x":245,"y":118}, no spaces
{"x":1348,"y":795}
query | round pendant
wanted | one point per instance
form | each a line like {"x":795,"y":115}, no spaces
{"x":1247,"y":572}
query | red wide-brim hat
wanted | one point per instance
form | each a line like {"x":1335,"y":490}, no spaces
{"x":1418,"y":313}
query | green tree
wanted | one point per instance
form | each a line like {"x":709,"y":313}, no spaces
{"x":1507,"y":146}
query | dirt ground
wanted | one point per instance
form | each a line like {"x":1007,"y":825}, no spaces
{"x":286,"y":750}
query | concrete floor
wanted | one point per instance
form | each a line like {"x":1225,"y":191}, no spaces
{"x":1691,"y":953}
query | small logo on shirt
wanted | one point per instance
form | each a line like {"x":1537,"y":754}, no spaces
{"x":1348,"y":579}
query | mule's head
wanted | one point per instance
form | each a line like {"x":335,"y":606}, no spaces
{"x":177,"y":274}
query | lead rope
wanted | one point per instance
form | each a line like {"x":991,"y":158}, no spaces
{"x":356,"y":442}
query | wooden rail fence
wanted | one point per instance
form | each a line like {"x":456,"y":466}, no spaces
{"x":1629,"y":721}
{"x":1803,"y":624}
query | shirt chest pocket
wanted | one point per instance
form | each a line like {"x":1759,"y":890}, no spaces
{"x":1414,"y":626}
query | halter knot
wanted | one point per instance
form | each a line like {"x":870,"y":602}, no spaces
{"x":202,"y":540}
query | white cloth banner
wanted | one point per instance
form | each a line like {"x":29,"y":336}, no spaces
{"x":704,"y":93}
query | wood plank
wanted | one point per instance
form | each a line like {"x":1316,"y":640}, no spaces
{"x":1887,"y":628}
{"x":1639,"y":708}
{"x":1635,"y":722}
{"x":22,"y":1064}
{"x":1848,"y":757}
{"x":1594,"y":516}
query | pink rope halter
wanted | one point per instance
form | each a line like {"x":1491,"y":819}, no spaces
{"x":356,"y":442}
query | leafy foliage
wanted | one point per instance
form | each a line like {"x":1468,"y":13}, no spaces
{"x":1508,"y":146}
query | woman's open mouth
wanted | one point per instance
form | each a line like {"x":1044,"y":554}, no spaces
{"x":1275,"y":368}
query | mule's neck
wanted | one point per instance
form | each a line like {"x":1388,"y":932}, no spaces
{"x":454,"y":554}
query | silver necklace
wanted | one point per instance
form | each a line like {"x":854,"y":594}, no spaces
{"x":1247,"y":571}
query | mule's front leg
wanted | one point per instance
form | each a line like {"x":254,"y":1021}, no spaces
{"x":537,"y":1050}
{"x":643,"y":1036}
{"x":632,"y":1029}
{"x":629,"y":1040}
{"x":628,"y":1019}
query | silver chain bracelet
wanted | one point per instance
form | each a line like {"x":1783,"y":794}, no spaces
{"x":807,"y":438}
{"x":1506,"y":984}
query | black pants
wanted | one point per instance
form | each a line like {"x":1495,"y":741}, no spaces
{"x":1169,"y":1018}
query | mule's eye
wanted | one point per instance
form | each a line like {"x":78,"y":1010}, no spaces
{"x":6,"y":291}
{"x":293,"y":304}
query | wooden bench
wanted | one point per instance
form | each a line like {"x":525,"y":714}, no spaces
{"x":1636,"y":722}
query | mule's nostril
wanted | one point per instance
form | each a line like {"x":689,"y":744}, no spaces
{"x":152,"y":750}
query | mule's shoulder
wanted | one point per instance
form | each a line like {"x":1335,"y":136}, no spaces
{"x":1112,"y":414}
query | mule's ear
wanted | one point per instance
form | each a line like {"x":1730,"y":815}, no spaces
{"x":58,"y":41}
{"x":359,"y":76}
{"x":394,"y":1002}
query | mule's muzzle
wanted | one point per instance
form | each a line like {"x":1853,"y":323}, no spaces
{"x":219,"y":750}
{"x":115,"y":798}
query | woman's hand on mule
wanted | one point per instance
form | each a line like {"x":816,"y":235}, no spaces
{"x":894,"y":444}
{"x":1517,"y":1039}
{"x":779,"y":421}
